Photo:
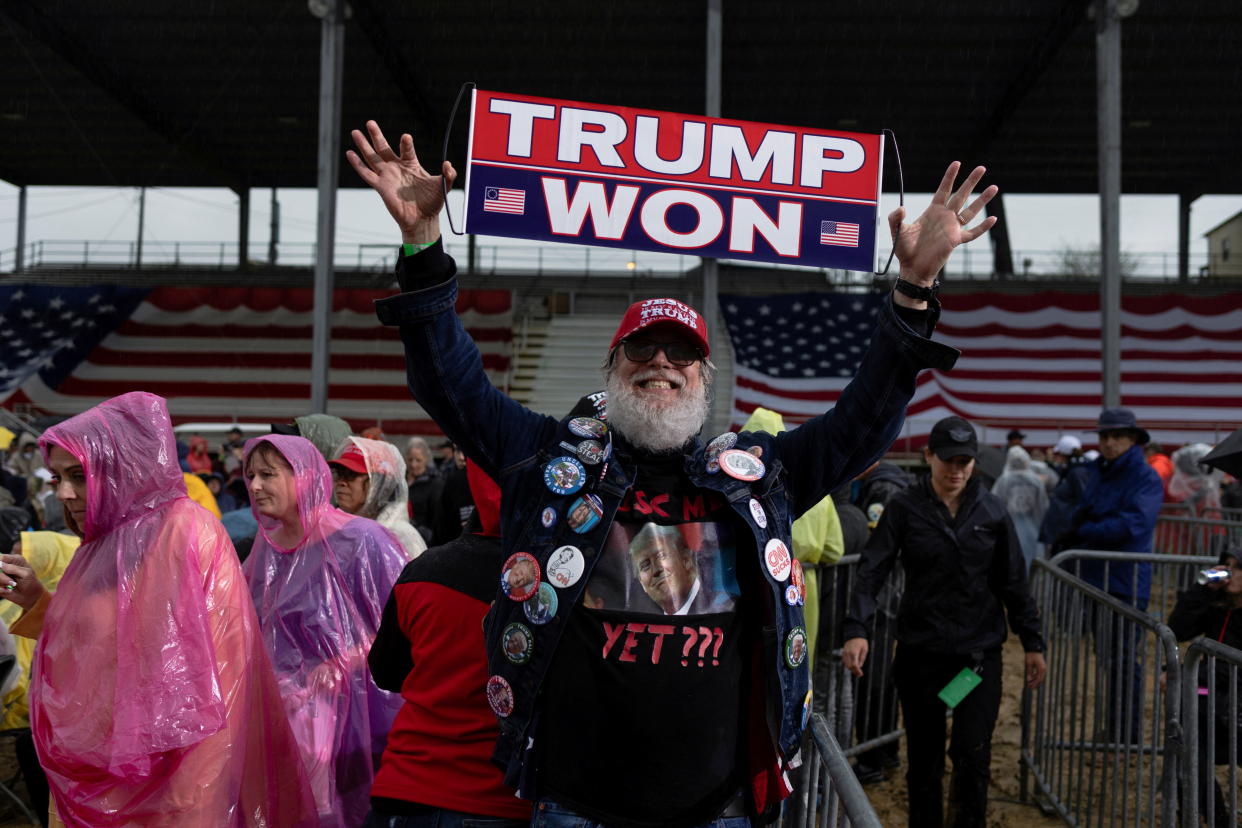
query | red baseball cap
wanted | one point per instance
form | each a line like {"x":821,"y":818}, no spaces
{"x":650,"y":312}
{"x":352,"y":459}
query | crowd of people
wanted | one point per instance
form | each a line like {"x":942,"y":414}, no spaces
{"x":604,"y":618}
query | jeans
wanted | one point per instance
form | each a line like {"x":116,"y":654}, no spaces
{"x":550,"y":815}
{"x":440,"y":819}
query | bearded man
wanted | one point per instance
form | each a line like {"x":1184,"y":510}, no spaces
{"x":587,"y":727}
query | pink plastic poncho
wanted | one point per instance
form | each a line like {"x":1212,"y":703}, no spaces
{"x":152,"y":700}
{"x":320,"y":605}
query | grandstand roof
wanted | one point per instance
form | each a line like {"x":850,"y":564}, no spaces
{"x":146,"y":92}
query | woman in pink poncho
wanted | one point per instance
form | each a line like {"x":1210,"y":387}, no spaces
{"x":320,"y":578}
{"x":152,"y":700}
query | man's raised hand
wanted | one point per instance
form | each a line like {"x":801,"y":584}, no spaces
{"x":413,"y":196}
{"x":923,"y":247}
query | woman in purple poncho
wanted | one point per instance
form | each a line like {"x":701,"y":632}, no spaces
{"x":320,"y":578}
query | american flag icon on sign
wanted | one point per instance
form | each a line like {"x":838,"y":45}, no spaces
{"x":840,"y":233}
{"x":507,"y":200}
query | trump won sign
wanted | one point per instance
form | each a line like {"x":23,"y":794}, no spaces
{"x":639,"y":179}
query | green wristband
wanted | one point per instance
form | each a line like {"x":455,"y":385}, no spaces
{"x":408,"y":249}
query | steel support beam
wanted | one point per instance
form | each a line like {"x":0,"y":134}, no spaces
{"x":711,"y":267}
{"x":331,"y":70}
{"x":1108,"y":125}
{"x":273,"y":232}
{"x":1002,"y":253}
{"x":243,"y":229}
{"x":142,"y":225}
{"x":1184,"y":201}
{"x":19,"y":261}
{"x":1044,"y":49}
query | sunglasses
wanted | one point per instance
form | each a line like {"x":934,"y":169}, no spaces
{"x":680,"y":354}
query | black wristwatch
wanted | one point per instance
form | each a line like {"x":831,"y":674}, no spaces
{"x":926,"y":294}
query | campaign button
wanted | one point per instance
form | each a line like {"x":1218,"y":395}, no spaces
{"x":540,"y":608}
{"x":792,"y":596}
{"x":720,"y":443}
{"x":741,"y":465}
{"x":518,"y":643}
{"x":565,"y":566}
{"x":548,"y":517}
{"x":591,"y":452}
{"x":585,"y":513}
{"x":519,"y":578}
{"x":760,"y":516}
{"x":777,"y":559}
{"x":795,"y":647}
{"x":500,"y":696}
{"x":588,"y":427}
{"x":797,"y":578}
{"x":564,"y":475}
{"x":713,"y":466}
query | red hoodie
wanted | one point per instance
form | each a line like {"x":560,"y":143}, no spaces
{"x":430,"y":648}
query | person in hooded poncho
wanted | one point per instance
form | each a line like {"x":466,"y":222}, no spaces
{"x":152,"y":699}
{"x":369,"y":481}
{"x":319,"y":578}
{"x":1026,"y":499}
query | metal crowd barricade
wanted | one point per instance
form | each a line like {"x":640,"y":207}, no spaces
{"x":860,"y":713}
{"x":1101,"y":738}
{"x":1180,"y":534}
{"x":1210,"y":703}
{"x":829,"y":793}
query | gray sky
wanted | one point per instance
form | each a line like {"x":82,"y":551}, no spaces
{"x":1037,"y":223}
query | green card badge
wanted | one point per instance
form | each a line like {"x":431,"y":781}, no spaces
{"x":960,"y":687}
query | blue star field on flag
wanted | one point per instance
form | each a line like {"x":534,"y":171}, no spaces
{"x":50,"y":329}
{"x":801,"y":335}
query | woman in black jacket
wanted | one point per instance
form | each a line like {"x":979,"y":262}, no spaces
{"x":1214,"y":609}
{"x":964,"y":570}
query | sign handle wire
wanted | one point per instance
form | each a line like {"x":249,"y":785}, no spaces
{"x":901,"y":195}
{"x":448,"y":132}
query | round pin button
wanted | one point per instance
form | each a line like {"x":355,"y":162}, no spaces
{"x":565,"y":566}
{"x":797,"y":578}
{"x":540,"y":608}
{"x":564,"y":475}
{"x":518,"y":643}
{"x":713,"y":466}
{"x":760,"y":516}
{"x":741,"y":465}
{"x":792,"y":596}
{"x":519,"y":578}
{"x":500,"y":696}
{"x":584,"y":513}
{"x":591,"y":452}
{"x":795,"y":647}
{"x":548,"y":517}
{"x":588,"y":427}
{"x":777,"y":559}
{"x":720,"y":443}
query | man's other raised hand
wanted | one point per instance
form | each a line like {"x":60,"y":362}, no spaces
{"x":413,"y":196}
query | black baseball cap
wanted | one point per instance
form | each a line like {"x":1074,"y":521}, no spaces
{"x":953,"y":437}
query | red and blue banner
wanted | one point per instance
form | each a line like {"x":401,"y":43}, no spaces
{"x":638,"y":179}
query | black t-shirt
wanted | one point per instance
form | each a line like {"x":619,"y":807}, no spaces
{"x":640,"y":721}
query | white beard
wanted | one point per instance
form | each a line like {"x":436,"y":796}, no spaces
{"x":655,"y":427}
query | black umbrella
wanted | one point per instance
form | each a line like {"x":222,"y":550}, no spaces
{"x":1227,"y":456}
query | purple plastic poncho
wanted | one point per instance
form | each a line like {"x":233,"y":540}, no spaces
{"x":320,"y":604}
{"x":152,"y":700}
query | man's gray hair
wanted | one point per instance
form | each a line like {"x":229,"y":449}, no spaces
{"x":420,"y":444}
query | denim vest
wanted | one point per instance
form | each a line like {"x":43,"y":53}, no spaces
{"x":513,"y":444}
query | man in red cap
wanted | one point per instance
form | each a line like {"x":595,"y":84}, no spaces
{"x":588,"y":725}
